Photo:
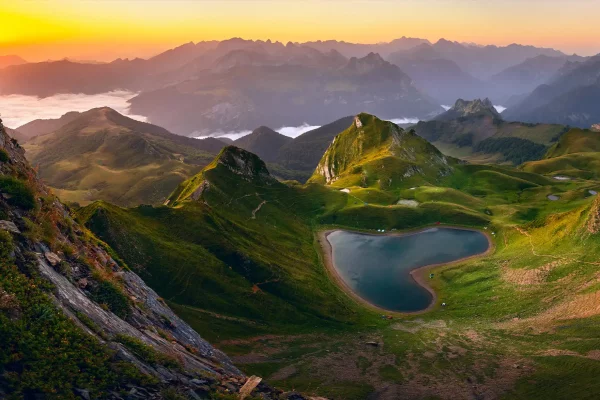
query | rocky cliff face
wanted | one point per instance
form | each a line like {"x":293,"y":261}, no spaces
{"x":138,"y":348}
{"x":466,"y":108}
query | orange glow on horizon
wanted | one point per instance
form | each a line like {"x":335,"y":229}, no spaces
{"x":103,"y":30}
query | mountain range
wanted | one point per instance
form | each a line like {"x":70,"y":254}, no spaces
{"x":239,"y":84}
{"x":244,"y":97}
{"x":569,"y":98}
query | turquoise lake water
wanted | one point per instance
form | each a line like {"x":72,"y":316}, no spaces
{"x":377,"y":267}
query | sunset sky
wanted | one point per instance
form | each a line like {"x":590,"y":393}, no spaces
{"x":106,"y":29}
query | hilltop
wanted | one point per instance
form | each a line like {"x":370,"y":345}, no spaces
{"x":40,"y":127}
{"x":372,"y":152}
{"x":101,"y":154}
{"x":465,"y":108}
{"x":304,"y":152}
{"x":6,"y":61}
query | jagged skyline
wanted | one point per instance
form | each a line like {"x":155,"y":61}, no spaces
{"x":91,"y":30}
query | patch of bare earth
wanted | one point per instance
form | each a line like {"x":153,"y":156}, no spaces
{"x":581,"y":306}
{"x":418,"y":324}
{"x":593,"y":354}
{"x":457,"y":385}
{"x":284,"y":373}
{"x":526,"y":277}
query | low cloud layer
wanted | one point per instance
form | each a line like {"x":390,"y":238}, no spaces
{"x":291,"y":131}
{"x":295,"y":131}
{"x":17,"y":110}
{"x":404,"y":121}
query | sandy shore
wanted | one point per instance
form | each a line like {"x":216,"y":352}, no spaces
{"x":420,"y":275}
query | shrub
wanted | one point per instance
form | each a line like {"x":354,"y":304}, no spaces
{"x":21,"y":195}
{"x":6,"y":245}
{"x":4,"y":156}
{"x":42,"y":351}
{"x":108,"y":293}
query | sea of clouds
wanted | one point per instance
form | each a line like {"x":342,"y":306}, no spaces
{"x":291,"y":131}
{"x":18,"y":110}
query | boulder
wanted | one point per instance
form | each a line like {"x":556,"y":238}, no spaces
{"x":52,"y":258}
{"x":9,"y":226}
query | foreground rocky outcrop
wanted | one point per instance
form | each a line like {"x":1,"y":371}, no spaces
{"x":138,"y":348}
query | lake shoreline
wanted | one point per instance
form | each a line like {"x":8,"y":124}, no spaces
{"x":419,"y":275}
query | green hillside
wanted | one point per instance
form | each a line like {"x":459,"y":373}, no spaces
{"x":487,"y":139}
{"x":236,"y":254}
{"x":379,"y":154}
{"x":219,"y":236}
{"x":576,"y":141}
{"x":574,"y":156}
{"x":104,"y":155}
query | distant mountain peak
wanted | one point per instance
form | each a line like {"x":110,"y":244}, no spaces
{"x":367,"y":64}
{"x":470,"y":108}
{"x":474,"y":105}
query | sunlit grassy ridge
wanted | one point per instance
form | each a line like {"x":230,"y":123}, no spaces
{"x":575,"y":155}
{"x":379,"y":154}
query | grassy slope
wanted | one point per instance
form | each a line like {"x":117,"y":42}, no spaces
{"x":460,"y":138}
{"x":517,"y":325}
{"x":378,"y":154}
{"x":103,"y":155}
{"x":575,"y":155}
{"x":213,"y":255}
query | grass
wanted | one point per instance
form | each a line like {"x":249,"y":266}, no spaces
{"x":107,"y":156}
{"x":214,"y":261}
